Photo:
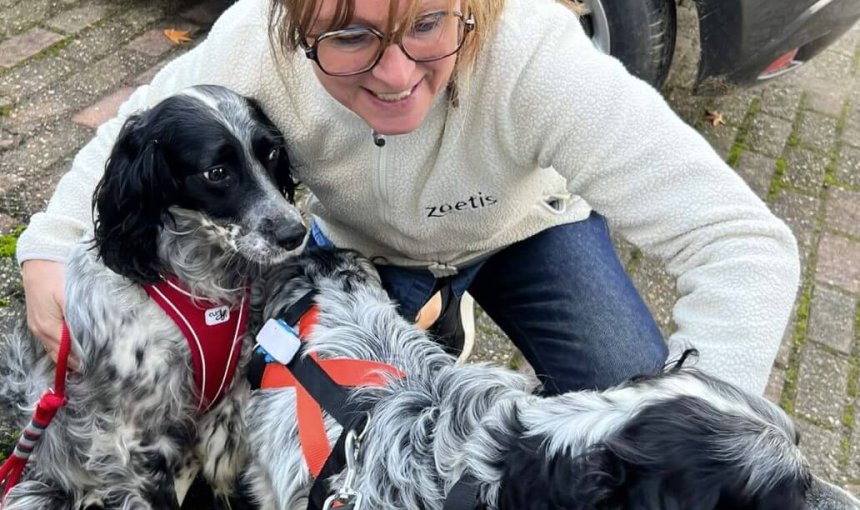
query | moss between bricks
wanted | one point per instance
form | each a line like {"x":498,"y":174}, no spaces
{"x":9,"y":242}
{"x":7,"y":444}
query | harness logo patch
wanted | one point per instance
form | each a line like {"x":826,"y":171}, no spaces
{"x":217,"y":315}
{"x":478,"y":201}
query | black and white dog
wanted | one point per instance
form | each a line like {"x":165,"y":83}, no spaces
{"x":196,"y":187}
{"x":679,"y":440}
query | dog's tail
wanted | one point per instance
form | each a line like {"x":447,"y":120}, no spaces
{"x":21,"y":364}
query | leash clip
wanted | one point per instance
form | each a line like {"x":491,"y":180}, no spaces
{"x":347,"y":497}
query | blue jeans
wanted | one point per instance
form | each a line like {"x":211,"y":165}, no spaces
{"x":562,"y":297}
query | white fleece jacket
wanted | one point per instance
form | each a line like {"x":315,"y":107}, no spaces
{"x":547,"y":129}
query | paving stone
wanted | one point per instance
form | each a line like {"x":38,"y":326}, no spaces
{"x":822,"y":384}
{"x":721,"y":138}
{"x":205,"y":13}
{"x":27,"y":80}
{"x":831,"y":319}
{"x":823,"y":97}
{"x":75,"y":20}
{"x":491,"y":343}
{"x":43,"y":150}
{"x":8,"y":140}
{"x":828,"y":66}
{"x":853,"y":468}
{"x":817,"y":131}
{"x":757,"y":170}
{"x":775,"y":383}
{"x":839,"y":263}
{"x":690,"y":108}
{"x":822,"y":449}
{"x":768,"y":134}
{"x":24,"y":46}
{"x":33,"y":196}
{"x":735,"y":107}
{"x":805,"y":169}
{"x":154,"y":43}
{"x":783,"y":355}
{"x":7,"y":224}
{"x":799,"y":211}
{"x":851,"y":134}
{"x":848,"y":168}
{"x":658,"y":290}
{"x":23,"y":15}
{"x":847,"y":44}
{"x":781,"y":100}
{"x":843,"y":211}
{"x":44,"y":107}
{"x":8,"y":181}
{"x":141,"y":16}
{"x":105,"y":109}
{"x":108,"y":74}
{"x":147,"y":76}
{"x":623,"y":249}
{"x":99,"y":41}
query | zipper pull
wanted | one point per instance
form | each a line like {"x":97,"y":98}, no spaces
{"x":441,"y":269}
{"x":378,"y":140}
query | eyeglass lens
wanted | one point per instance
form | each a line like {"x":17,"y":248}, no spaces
{"x":431,"y":37}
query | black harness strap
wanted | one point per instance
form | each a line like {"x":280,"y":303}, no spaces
{"x":464,"y":495}
{"x":351,"y":415}
{"x":331,"y":397}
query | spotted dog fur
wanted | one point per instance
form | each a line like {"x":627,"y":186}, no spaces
{"x":194,"y":187}
{"x":679,"y":440}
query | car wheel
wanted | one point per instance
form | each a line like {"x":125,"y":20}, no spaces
{"x":640,"y":33}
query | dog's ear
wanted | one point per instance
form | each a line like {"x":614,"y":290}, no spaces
{"x":284,"y":176}
{"x":130,"y":202}
{"x":284,"y":171}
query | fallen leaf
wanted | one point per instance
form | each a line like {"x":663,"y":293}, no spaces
{"x":177,"y":36}
{"x":715,"y":118}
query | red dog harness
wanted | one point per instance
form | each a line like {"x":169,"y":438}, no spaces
{"x":213,"y":332}
{"x":214,"y":335}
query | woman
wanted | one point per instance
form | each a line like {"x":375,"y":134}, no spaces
{"x":486,"y":142}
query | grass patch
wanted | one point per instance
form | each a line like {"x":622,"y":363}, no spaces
{"x":9,"y":242}
{"x":789,"y":391}
{"x":5,"y":109}
{"x":7,"y":444}
{"x":735,"y":154}
{"x":517,"y":361}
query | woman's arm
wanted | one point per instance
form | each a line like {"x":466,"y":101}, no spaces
{"x":662,"y":187}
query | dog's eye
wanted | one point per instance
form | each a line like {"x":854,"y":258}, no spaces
{"x":216,"y":174}
{"x":274,"y":153}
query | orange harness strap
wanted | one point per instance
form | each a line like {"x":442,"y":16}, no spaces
{"x":345,"y":372}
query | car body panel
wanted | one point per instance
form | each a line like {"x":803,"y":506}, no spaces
{"x":741,"y":38}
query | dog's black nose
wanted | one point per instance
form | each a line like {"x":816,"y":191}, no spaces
{"x":286,"y":234}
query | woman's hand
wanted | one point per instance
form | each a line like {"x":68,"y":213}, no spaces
{"x":45,"y":296}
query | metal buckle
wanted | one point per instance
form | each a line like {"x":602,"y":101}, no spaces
{"x":347,"y":498}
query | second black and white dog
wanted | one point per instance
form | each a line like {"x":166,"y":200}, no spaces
{"x":196,"y":187}
{"x":679,"y":440}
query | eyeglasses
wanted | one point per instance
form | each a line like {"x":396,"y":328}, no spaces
{"x":355,"y":50}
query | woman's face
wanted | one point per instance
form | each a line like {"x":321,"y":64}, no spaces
{"x":394,"y":97}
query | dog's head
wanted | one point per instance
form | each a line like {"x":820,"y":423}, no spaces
{"x":681,"y":440}
{"x":205,"y":162}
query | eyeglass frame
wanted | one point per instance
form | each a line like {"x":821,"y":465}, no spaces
{"x":311,"y":52}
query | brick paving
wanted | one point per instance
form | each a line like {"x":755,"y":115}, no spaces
{"x":65,"y":65}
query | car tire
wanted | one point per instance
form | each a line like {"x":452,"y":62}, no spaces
{"x":639,"y":33}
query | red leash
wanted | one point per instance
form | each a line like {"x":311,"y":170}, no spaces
{"x":51,"y":401}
